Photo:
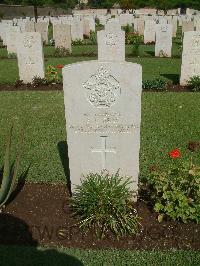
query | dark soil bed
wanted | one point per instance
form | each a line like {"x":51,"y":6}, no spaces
{"x":40,"y":215}
{"x":12,"y":87}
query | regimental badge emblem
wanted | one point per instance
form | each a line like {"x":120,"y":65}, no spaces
{"x":102,"y":89}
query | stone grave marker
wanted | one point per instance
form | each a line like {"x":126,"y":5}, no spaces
{"x":163,"y":45}
{"x":103,"y":114}
{"x":187,"y":26}
{"x":190,"y":57}
{"x":111,"y":44}
{"x":77,"y":30}
{"x":62,"y":35}
{"x":149,"y":31}
{"x":113,"y":25}
{"x":42,"y":27}
{"x":30,"y":56}
{"x":11,"y":37}
{"x":30,"y":26}
{"x":86,"y":27}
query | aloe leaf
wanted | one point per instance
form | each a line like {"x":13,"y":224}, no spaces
{"x":15,"y":168}
{"x":6,"y":181}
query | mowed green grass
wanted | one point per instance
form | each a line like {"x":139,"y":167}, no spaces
{"x":75,"y":257}
{"x":166,"y":68}
{"x":169,"y":120}
{"x":79,"y":50}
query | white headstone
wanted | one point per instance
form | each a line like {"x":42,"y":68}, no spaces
{"x":187,"y":26}
{"x":191,"y":56}
{"x":30,"y":26}
{"x":30,"y":56}
{"x":62,"y":35}
{"x":163,"y":45}
{"x":149,"y":31}
{"x":11,"y":37}
{"x":113,"y":25}
{"x":111,"y":45}
{"x":42,"y":27}
{"x":103,"y":113}
{"x":77,"y":30}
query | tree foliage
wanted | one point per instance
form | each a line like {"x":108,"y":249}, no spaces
{"x":158,"y":4}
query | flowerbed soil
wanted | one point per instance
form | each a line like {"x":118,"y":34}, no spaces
{"x":12,"y":87}
{"x":40,"y":215}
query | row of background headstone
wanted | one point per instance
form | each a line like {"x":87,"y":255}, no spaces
{"x":161,"y":33}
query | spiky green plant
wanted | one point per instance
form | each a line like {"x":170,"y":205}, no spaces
{"x":104,"y":202}
{"x":9,"y":171}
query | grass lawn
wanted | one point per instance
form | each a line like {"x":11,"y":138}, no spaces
{"x":169,"y":120}
{"x":166,"y":68}
{"x":74,"y":257}
{"x":79,"y":50}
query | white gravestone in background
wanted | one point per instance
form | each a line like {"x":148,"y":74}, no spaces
{"x":11,"y":37}
{"x":113,"y":25}
{"x":149,"y":31}
{"x":42,"y":27}
{"x":163,"y":45}
{"x":77,"y":30}
{"x":187,"y":26}
{"x":190,"y":57}
{"x":111,"y":45}
{"x":103,"y":113}
{"x":62,"y":35}
{"x":30,"y":56}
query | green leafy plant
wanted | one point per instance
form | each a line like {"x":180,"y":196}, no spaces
{"x":194,"y":83}
{"x":9,"y":172}
{"x":1,"y":15}
{"x":93,"y":38}
{"x":134,"y":38}
{"x":89,"y":54}
{"x":19,"y":83}
{"x":104,"y":203}
{"x":162,"y":54}
{"x":155,"y":84}
{"x":53,"y":74}
{"x":176,"y":192}
{"x":77,"y":42}
{"x":61,"y":52}
{"x":135,"y":49}
{"x":12,"y":55}
{"x":97,"y":22}
{"x":38,"y":81}
{"x":127,"y":29}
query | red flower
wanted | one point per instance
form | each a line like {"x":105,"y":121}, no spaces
{"x":59,"y":66}
{"x":175,"y":153}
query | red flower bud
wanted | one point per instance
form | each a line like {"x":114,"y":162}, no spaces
{"x":175,"y":153}
{"x":59,"y":66}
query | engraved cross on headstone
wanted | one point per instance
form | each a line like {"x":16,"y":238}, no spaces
{"x":103,"y":151}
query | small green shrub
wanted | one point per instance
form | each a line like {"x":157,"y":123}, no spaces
{"x":77,"y":42}
{"x":12,"y":55}
{"x":135,"y":49}
{"x":194,"y":83}
{"x":97,"y":22}
{"x":104,"y":203}
{"x":93,"y":38}
{"x":127,"y":29}
{"x":89,"y":54}
{"x":51,"y":42}
{"x":18,"y":83}
{"x":134,"y":38}
{"x":176,"y":193}
{"x":61,"y":52}
{"x":38,"y":81}
{"x":155,"y":84}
